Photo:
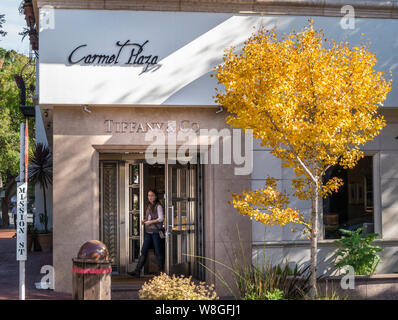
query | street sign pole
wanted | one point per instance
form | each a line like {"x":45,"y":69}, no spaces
{"x":26,"y":151}
{"x":22,"y":191}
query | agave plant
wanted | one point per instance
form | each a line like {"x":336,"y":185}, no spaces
{"x":40,"y":171}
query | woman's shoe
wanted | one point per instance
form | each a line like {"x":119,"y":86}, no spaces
{"x":159,"y":262}
{"x":134,"y":273}
{"x":137,"y":271}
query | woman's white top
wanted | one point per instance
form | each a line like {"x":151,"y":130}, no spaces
{"x":160,"y":213}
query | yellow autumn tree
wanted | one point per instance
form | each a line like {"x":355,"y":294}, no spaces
{"x":313,"y":102}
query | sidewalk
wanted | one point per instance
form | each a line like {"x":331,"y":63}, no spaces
{"x":9,"y":272}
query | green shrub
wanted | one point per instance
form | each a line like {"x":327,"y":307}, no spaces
{"x":356,"y":251}
{"x":164,"y":287}
{"x":276,"y":295}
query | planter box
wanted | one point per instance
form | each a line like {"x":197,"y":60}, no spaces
{"x":45,"y":241}
{"x":376,"y":287}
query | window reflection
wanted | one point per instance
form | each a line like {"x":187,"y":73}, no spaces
{"x":134,"y":174}
{"x":352,"y":206}
{"x":134,"y":199}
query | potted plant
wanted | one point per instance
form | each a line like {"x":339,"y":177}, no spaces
{"x":40,"y":172}
{"x":45,"y":237}
{"x":31,"y":236}
{"x":356,"y":250}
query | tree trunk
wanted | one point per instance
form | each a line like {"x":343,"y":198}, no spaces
{"x":4,"y":212}
{"x":314,"y":240}
{"x":4,"y":202}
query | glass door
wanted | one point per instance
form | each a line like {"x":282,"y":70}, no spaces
{"x":181,"y":218}
{"x":135,"y":211}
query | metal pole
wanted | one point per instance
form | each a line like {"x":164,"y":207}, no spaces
{"x":26,"y":151}
{"x":21,"y":179}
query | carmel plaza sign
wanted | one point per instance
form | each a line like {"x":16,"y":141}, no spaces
{"x":135,"y":56}
{"x":112,"y":126}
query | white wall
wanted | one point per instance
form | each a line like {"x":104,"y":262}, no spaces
{"x":188,"y":44}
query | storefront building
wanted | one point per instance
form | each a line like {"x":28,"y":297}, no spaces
{"x":110,"y":72}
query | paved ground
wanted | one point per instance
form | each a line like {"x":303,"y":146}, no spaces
{"x":9,"y":271}
{"x":124,"y":287}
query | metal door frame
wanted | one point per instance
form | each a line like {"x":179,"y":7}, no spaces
{"x":166,"y":217}
{"x":123,"y":219}
{"x":126,"y":214}
{"x":198,"y":243}
{"x":101,"y":222}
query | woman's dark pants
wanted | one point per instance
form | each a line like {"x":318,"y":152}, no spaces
{"x":154,"y":238}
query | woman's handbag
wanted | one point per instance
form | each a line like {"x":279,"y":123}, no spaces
{"x":162,"y":234}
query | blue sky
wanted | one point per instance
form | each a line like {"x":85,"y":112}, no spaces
{"x":14,"y":24}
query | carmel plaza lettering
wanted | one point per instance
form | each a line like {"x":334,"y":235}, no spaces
{"x":143,"y":127}
{"x":135,"y":56}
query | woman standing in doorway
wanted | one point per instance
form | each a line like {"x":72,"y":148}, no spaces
{"x":152,"y":224}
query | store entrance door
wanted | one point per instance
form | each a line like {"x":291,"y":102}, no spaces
{"x":182,"y":219}
{"x":124,"y":187}
{"x":142,"y":177}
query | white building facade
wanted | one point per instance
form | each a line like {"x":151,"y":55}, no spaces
{"x":109,"y":72}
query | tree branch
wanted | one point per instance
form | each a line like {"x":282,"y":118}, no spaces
{"x":291,"y":148}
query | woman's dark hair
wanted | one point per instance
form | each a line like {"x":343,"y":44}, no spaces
{"x":150,"y":205}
